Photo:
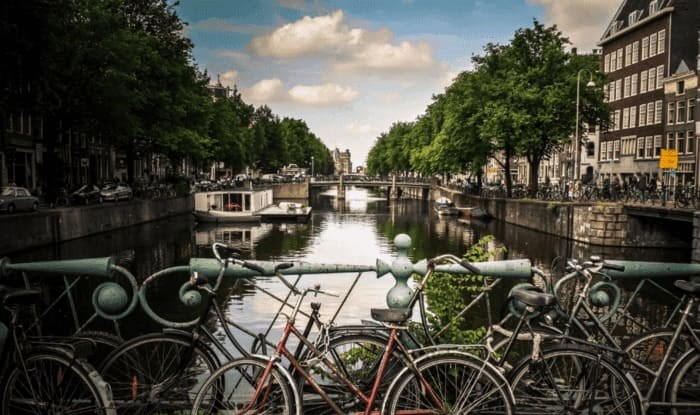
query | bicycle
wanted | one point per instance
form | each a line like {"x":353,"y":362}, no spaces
{"x":45,"y":374}
{"x":262,"y":384}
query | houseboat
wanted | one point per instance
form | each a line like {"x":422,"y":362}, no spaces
{"x":286,"y":211}
{"x":235,"y":205}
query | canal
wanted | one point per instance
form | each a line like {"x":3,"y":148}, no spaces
{"x":358,"y":231}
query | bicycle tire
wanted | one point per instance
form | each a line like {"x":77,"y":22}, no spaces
{"x":560,"y":382}
{"x":232,"y":384}
{"x":684,"y":387}
{"x":105,"y":343}
{"x":463,"y":385}
{"x":58,"y":381}
{"x":649,"y":349}
{"x":148,"y":376}
{"x":358,"y":357}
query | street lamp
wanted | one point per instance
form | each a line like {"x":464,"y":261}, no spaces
{"x":312,"y":166}
{"x":577,"y":145}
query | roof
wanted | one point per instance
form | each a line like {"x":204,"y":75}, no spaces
{"x":620,"y":21}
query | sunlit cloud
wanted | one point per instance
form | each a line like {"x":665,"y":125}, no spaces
{"x":265,"y":90}
{"x":322,"y":95}
{"x":229,"y":78}
{"x":233,"y":54}
{"x":582,"y":21}
{"x":350,"y":49}
{"x":359,"y":128}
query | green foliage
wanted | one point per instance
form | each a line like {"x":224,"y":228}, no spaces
{"x":447,"y":295}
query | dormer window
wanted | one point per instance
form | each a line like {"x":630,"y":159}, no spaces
{"x":615,"y":26}
{"x":633,"y":17}
{"x":653,"y":6}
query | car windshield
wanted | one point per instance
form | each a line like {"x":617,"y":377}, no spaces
{"x":7,"y":191}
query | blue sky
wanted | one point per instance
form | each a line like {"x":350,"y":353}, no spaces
{"x":352,"y":68}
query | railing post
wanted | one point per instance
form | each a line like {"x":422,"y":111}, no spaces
{"x":394,"y":193}
{"x":402,"y":269}
{"x":341,"y":188}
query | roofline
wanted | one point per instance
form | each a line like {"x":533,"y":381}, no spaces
{"x":662,"y":12}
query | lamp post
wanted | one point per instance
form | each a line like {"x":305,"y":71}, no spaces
{"x":312,"y":166}
{"x":576,"y":173}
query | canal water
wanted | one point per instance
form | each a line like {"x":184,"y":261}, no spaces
{"x":358,"y":231}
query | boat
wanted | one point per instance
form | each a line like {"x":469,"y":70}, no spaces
{"x":234,"y":205}
{"x":239,"y":235}
{"x":286,"y":211}
{"x":474,"y":213}
{"x":445,"y":207}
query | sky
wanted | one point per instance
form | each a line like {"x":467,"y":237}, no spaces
{"x":352,"y":68}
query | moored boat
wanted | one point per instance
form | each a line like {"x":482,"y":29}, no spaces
{"x":290,"y":211}
{"x":445,"y":207}
{"x":237,"y":205}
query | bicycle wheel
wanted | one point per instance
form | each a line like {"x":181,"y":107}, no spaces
{"x":649,"y":350}
{"x":234,"y":385}
{"x":358,"y":357}
{"x":455,"y":383}
{"x":157,"y":373}
{"x":105,"y":343}
{"x":570,"y":379}
{"x":684,"y":388}
{"x":54,"y":383}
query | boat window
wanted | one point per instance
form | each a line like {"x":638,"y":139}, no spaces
{"x":247,"y":205}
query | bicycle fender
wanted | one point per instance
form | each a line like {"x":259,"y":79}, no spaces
{"x":288,"y":376}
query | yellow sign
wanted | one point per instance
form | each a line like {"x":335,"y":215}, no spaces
{"x":669,"y":159}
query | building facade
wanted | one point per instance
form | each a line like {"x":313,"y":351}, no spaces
{"x":646,"y":41}
{"x":680,"y":96}
{"x":342,"y":162}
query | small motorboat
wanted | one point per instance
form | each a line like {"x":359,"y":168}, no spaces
{"x":445,"y":207}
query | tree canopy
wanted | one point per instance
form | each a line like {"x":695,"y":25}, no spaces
{"x":519,"y":100}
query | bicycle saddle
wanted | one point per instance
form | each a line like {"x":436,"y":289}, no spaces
{"x":391,"y":315}
{"x":533,"y":298}
{"x":691,"y":287}
{"x":14,"y":296}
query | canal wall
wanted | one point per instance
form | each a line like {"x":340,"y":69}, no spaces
{"x":600,"y":224}
{"x":31,"y":230}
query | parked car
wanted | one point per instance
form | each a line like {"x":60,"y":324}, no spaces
{"x":86,"y":194}
{"x":116,"y":192}
{"x":15,"y":198}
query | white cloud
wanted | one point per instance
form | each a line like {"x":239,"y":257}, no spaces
{"x":352,"y":49}
{"x":389,"y":97}
{"x":265,"y":90}
{"x":359,"y":128}
{"x":229,"y":78}
{"x":233,"y":54}
{"x":582,"y":21}
{"x":323,"y":95}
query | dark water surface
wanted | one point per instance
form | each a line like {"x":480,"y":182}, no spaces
{"x":358,"y":231}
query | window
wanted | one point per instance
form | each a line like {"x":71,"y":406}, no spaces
{"x":653,"y":6}
{"x":633,"y":18}
{"x":610,"y":150}
{"x":652,"y":79}
{"x":618,"y":89}
{"x":642,"y":115}
{"x":645,"y":47}
{"x":681,"y":142}
{"x":616,"y":150}
{"x":662,"y":42}
{"x":691,"y":109}
{"x":627,"y":87}
{"x":628,"y":144}
{"x":649,"y":146}
{"x":643,"y":82}
{"x":603,"y":151}
{"x":671,"y":112}
{"x":626,"y":118}
{"x":670,"y":141}
{"x":658,"y":114}
{"x":657,"y":146}
{"x":606,"y":92}
{"x":680,"y":114}
{"x":633,"y":116}
{"x":618,"y":119}
{"x":659,"y":77}
{"x":21,"y":122}
{"x":628,"y":55}
{"x":640,"y":147}
{"x":606,"y":63}
{"x":619,"y":59}
{"x":691,"y":142}
{"x":650,"y":113}
{"x":653,"y":44}
{"x":680,"y":87}
{"x":635,"y":52}
{"x":634,"y":80}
